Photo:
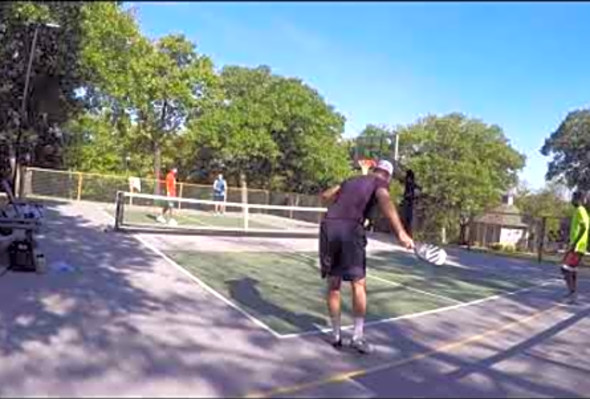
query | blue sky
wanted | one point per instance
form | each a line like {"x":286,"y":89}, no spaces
{"x":522,"y":66}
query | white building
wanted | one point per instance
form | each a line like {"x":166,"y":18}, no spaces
{"x":502,"y":225}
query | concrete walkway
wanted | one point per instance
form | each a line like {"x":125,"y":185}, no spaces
{"x":126,"y":323}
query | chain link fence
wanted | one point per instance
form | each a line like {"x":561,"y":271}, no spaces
{"x":541,"y":238}
{"x":81,"y":186}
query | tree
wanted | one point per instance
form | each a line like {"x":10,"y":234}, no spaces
{"x":462,"y":164}
{"x":97,"y":148}
{"x":307,"y":132}
{"x":375,"y":142}
{"x":55,"y":75}
{"x":569,"y":147}
{"x":375,"y":131}
{"x":172,"y":84}
{"x":550,"y":202}
{"x":152,"y":88}
{"x":278,"y":131}
{"x":232,"y":136}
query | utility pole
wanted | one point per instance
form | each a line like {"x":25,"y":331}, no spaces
{"x":17,"y":173}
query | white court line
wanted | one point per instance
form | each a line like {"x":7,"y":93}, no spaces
{"x":419,"y":314}
{"x":445,"y":298}
{"x":207,"y":288}
{"x":328,"y":329}
{"x":396,"y":284}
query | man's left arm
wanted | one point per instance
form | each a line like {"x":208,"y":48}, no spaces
{"x":330,"y":195}
{"x":583,"y":228}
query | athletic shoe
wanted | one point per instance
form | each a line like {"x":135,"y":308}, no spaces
{"x":573,"y":299}
{"x":173,"y":222}
{"x":361,"y":345}
{"x":335,"y":342}
{"x":161,"y":219}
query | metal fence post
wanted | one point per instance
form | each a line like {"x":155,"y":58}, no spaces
{"x":80,"y":178}
{"x":180,"y":194}
{"x":541,"y":239}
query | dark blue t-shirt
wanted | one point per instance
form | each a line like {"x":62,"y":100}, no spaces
{"x":356,"y":198}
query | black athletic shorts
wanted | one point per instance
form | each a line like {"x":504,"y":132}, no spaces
{"x":342,"y":249}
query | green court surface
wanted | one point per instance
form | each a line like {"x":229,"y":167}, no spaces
{"x":284,"y":290}
{"x":198,"y":219}
{"x":461,"y":284}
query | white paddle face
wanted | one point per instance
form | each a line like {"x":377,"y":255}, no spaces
{"x":431,"y":253}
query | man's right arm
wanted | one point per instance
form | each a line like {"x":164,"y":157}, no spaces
{"x":583,"y":228}
{"x":330,"y":194}
{"x":388,"y":209}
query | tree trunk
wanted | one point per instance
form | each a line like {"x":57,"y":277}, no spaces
{"x":157,"y":166}
{"x":13,"y":168}
{"x":244,"y":190}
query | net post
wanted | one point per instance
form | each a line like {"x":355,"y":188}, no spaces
{"x":118,"y":209}
{"x":181,"y":185}
{"x":291,"y":203}
{"x":541,"y":239}
{"x":79,"y":193}
{"x":244,"y":190}
{"x":130,"y":190}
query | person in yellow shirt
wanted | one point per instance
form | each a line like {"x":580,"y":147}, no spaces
{"x":578,"y":244}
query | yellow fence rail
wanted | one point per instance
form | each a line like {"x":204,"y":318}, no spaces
{"x":82,"y":186}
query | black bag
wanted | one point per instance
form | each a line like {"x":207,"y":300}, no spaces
{"x":21,"y":256}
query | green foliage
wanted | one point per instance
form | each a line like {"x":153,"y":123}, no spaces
{"x":157,"y":85}
{"x":569,"y":147}
{"x":55,"y":75}
{"x":276,"y":130}
{"x":462,"y":164}
{"x":549,"y":202}
{"x":375,"y":131}
{"x":375,"y":142}
{"x":153,"y":104}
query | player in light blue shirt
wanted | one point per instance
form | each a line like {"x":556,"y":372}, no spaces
{"x":219,"y":193}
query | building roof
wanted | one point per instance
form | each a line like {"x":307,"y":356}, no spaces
{"x":505,"y":215}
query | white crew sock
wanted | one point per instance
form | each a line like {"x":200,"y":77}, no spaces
{"x":359,"y":323}
{"x":336,"y":327}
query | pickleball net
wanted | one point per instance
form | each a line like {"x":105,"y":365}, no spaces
{"x":144,"y":211}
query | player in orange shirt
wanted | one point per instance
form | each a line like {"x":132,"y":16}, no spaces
{"x":170,"y":192}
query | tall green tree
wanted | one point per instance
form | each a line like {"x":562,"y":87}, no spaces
{"x":172,"y":85}
{"x":55,"y":74}
{"x":108,"y":46}
{"x":279,"y":132}
{"x":375,"y":141}
{"x":151,"y":88}
{"x":569,"y":147}
{"x":462,"y":164}
{"x":550,"y":202}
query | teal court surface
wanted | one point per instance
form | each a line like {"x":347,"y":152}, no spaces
{"x":189,"y":213}
{"x":152,"y":314}
{"x":284,"y":291}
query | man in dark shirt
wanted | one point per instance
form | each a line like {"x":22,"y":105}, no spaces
{"x":407,"y":204}
{"x":343,"y":242}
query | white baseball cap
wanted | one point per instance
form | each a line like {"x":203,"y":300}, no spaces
{"x":385,"y":166}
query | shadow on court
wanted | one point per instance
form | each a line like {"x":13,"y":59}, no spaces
{"x":116,"y":325}
{"x":125,"y":323}
{"x":547,"y":358}
{"x":525,"y":368}
{"x":245,"y":292}
{"x":465,"y":283}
